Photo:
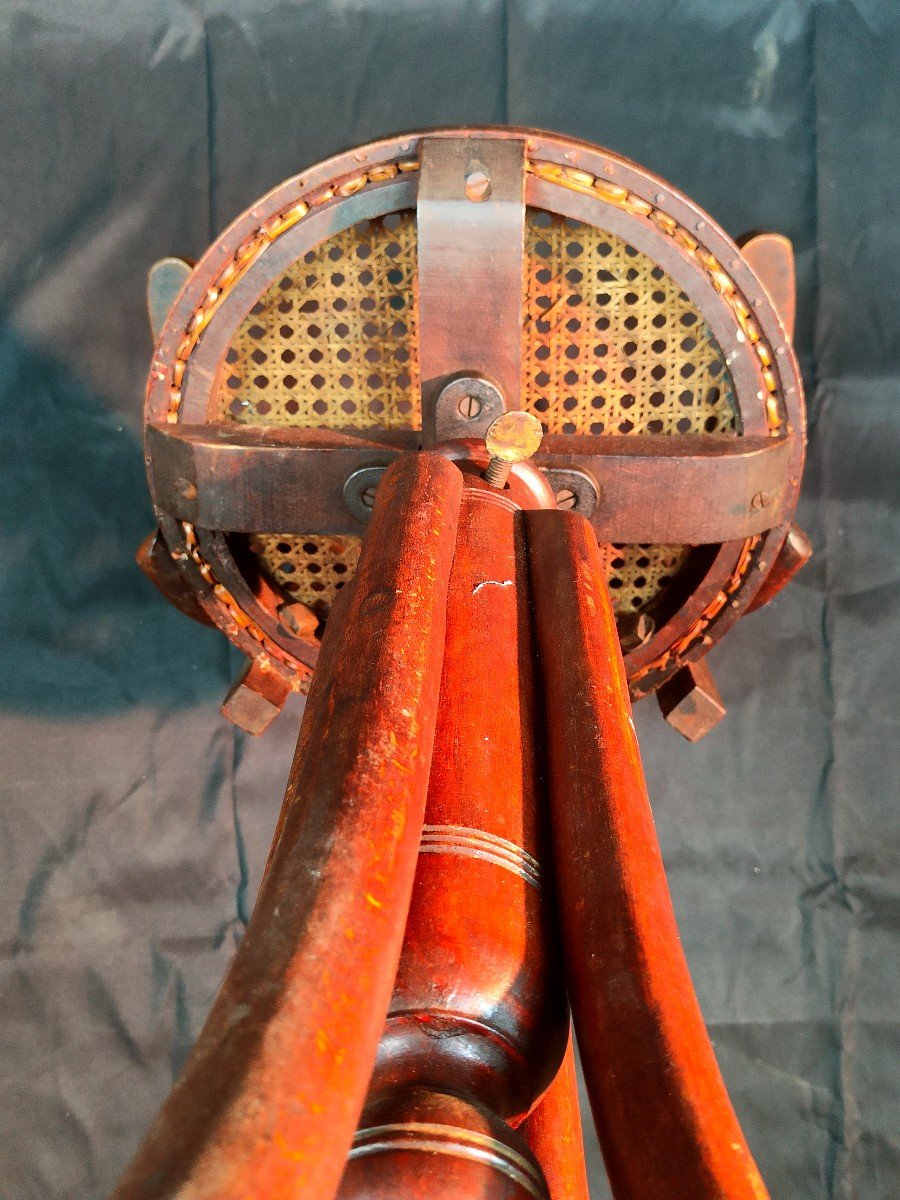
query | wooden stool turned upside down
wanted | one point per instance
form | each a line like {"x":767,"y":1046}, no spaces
{"x":497,"y":432}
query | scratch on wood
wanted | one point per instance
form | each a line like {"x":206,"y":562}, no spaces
{"x":491,"y":583}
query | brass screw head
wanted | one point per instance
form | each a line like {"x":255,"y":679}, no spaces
{"x":512,"y":438}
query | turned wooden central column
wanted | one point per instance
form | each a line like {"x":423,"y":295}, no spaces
{"x":478,"y":1020}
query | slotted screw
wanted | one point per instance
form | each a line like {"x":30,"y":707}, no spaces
{"x":469,"y":407}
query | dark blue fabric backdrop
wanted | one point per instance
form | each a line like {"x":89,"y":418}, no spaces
{"x":135,"y":821}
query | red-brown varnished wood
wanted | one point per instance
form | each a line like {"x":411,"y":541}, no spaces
{"x":246,"y":479}
{"x":478,"y":958}
{"x":271,"y":1094}
{"x":553,"y":1131}
{"x":478,"y":1008}
{"x":257,"y":696}
{"x":427,"y":1145}
{"x":795,"y":553}
{"x":771,"y":256}
{"x":158,"y":565}
{"x":664,"y":1119}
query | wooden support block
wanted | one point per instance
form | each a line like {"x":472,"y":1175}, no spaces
{"x":690,"y":701}
{"x":298,"y":619}
{"x":156,"y":562}
{"x":166,"y":279}
{"x":256,"y":697}
{"x":771,"y":256}
{"x":796,"y":551}
{"x":246,"y":479}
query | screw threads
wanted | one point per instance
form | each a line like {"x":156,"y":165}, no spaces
{"x":497,"y":472}
{"x":512,"y":438}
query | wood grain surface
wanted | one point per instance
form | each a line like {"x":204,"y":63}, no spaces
{"x":553,"y":1131}
{"x":271,"y":1093}
{"x":665,"y":1122}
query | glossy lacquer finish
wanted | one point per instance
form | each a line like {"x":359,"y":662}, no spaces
{"x":665,"y":1123}
{"x":478,"y":1018}
{"x":271,"y":1094}
{"x":553,"y":1131}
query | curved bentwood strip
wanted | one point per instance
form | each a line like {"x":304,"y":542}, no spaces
{"x":270,"y":1097}
{"x":663,"y":1116}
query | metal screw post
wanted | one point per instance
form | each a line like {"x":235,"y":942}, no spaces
{"x":497,"y":472}
{"x":512,"y":438}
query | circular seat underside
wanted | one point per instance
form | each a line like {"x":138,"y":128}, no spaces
{"x":610,"y":344}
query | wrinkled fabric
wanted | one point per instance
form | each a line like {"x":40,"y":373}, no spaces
{"x":135,"y":821}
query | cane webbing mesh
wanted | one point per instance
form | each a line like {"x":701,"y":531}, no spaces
{"x":333,"y":343}
{"x":312,"y":568}
{"x":610,"y":344}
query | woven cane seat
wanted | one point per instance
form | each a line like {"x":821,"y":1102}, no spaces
{"x":611,"y":344}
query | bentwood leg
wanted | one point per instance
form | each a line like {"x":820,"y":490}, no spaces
{"x":271,"y":1094}
{"x":663,"y":1116}
{"x":553,"y":1131}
